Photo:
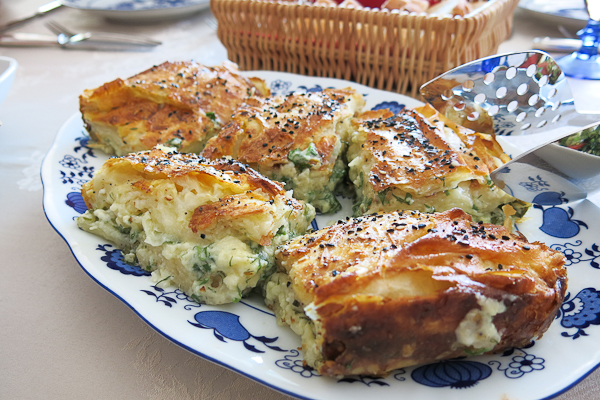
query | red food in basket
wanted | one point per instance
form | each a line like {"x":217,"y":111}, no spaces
{"x":371,"y":3}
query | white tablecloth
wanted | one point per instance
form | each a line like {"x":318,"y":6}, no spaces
{"x":61,"y":335}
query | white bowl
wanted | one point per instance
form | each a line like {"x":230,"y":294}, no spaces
{"x":574,"y":163}
{"x":8,"y":66}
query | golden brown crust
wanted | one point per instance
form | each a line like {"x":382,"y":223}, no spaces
{"x":410,"y":151}
{"x":179,"y":103}
{"x":217,"y":89}
{"x":158,"y":164}
{"x":482,"y":145}
{"x":263,"y":131}
{"x":390,"y":290}
{"x":232,"y":207}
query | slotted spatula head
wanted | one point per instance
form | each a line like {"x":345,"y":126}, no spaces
{"x":507,"y":94}
{"x":517,"y":94}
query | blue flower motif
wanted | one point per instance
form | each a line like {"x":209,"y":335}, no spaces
{"x":393,"y":106}
{"x":526,"y":364}
{"x":580,"y":312}
{"x":575,"y":257}
{"x":535,"y":184}
{"x":227,"y":325}
{"x":549,"y":198}
{"x":559,"y":223}
{"x":572,"y":256}
{"x":520,"y":364}
{"x":314,"y":89}
{"x":75,"y":200}
{"x":170,"y":298}
{"x":70,"y":162}
{"x":279,"y":87}
{"x":296,"y":366}
{"x":76,"y":173}
{"x":114,"y":260}
{"x":555,"y":221}
{"x":456,"y":374}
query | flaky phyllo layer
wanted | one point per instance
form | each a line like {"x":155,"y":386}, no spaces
{"x":419,"y":160}
{"x":208,"y":227}
{"x":176,"y":104}
{"x":384,"y":291}
{"x":299,"y":139}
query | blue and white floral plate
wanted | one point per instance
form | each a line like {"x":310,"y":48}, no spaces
{"x":245,"y":337}
{"x":126,"y":10}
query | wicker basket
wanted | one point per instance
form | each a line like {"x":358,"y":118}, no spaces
{"x":382,"y":49}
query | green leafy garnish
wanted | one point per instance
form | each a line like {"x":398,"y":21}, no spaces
{"x":382,"y":195}
{"x":303,"y":159}
{"x":475,"y":352}
{"x":587,"y":141}
{"x":406,"y":200}
{"x":204,"y":264}
{"x":175,"y":142}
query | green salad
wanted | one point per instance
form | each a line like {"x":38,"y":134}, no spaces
{"x":587,"y":141}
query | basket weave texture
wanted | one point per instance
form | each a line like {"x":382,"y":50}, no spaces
{"x":394,"y":51}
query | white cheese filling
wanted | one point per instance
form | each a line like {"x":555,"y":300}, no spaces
{"x":477,"y":329}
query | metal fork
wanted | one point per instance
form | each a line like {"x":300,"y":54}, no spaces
{"x":65,"y":35}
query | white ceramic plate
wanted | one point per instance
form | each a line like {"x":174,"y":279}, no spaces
{"x":147,"y":10}
{"x":8,"y":68}
{"x":572,"y":13}
{"x":245,"y":337}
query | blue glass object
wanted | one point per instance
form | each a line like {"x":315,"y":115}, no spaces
{"x":584,"y":63}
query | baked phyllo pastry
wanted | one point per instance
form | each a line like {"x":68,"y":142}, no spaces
{"x":177,"y":104}
{"x":385,"y":291}
{"x":299,"y":139}
{"x":419,"y":160}
{"x":208,"y":227}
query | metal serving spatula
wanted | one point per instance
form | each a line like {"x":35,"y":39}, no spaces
{"x":519,"y":94}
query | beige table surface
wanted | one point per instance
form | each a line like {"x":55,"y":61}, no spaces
{"x":61,"y":335}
